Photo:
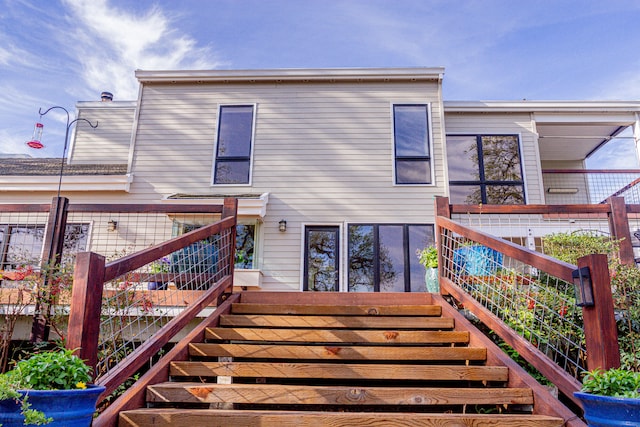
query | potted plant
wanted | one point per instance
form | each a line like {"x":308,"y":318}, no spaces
{"x":611,"y":397}
{"x":48,"y":388}
{"x":428,"y":257}
{"x":159,"y":267}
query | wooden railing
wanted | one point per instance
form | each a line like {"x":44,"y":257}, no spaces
{"x":600,"y":332}
{"x":92,"y":272}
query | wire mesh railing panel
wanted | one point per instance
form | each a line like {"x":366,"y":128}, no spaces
{"x":590,"y":186}
{"x":116,"y":234}
{"x":138,"y":304}
{"x":21,"y":239}
{"x":530,"y":230}
{"x":537,"y":306}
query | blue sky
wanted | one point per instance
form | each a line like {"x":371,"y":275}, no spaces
{"x":57,"y":52}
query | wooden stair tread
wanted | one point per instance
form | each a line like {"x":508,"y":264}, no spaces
{"x":334,"y":395}
{"x":337,"y":335}
{"x":336,"y":352}
{"x":321,"y":361}
{"x":334,"y":310}
{"x":331,"y":322}
{"x":340,"y":371}
{"x":165,"y":417}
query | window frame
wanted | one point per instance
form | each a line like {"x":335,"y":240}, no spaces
{"x":186,"y":224}
{"x":8,"y":232}
{"x":408,"y":255}
{"x":483,"y":183}
{"x":428,"y":158}
{"x":254,"y":109}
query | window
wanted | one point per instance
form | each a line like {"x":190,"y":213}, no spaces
{"x":485,"y":169}
{"x":22,"y":245}
{"x":382,"y":257}
{"x":245,"y":241}
{"x":411,"y":144}
{"x":322,"y":258}
{"x":232,"y":163}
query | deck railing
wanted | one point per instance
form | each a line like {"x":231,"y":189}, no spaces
{"x":527,"y":297}
{"x":137,"y":287}
{"x":580,"y":186}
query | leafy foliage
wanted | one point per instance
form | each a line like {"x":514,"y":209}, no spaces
{"x":428,"y":257}
{"x":52,"y":370}
{"x":49,"y":370}
{"x":612,"y":382}
{"x":568,"y":247}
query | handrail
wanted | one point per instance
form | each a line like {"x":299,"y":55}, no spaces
{"x":590,"y":171}
{"x":91,"y":273}
{"x":530,"y":209}
{"x":596,"y":321}
{"x":560,"y":269}
{"x":134,"y":261}
{"x":136,"y":360}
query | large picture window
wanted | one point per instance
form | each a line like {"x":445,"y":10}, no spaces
{"x":232,"y":163}
{"x":411,"y":135}
{"x":485,"y":169}
{"x":382,"y":257}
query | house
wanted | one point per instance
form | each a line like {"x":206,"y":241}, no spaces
{"x":336,"y":170}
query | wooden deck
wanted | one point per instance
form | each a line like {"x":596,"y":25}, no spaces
{"x":303,"y":359}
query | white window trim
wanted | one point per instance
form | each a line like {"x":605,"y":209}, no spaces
{"x":393,"y":144}
{"x":254,"y":106}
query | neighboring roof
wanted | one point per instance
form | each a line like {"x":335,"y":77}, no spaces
{"x":51,"y":166}
{"x":542,"y":106}
{"x":289,"y":74}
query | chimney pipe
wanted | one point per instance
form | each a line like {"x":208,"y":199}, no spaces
{"x":106,"y":96}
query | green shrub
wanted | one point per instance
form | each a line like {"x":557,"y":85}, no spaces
{"x":612,"y":382}
{"x":568,"y":247}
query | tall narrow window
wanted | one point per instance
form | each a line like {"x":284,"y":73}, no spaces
{"x":232,"y":163}
{"x":322,"y":258}
{"x":411,"y":144}
{"x":485,"y":169}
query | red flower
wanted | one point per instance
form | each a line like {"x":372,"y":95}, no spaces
{"x":531,"y":304}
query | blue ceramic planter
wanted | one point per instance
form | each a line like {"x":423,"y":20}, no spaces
{"x":609,"y":411}
{"x":68,"y":408}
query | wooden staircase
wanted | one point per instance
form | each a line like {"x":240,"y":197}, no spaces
{"x":314,"y":359}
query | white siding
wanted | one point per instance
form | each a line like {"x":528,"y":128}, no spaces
{"x":108,"y":143}
{"x":323,"y":151}
{"x":505,"y":123}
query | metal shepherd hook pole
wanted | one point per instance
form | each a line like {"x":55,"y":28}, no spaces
{"x":55,"y":238}
{"x":66,"y":136}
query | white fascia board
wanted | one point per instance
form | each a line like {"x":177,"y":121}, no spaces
{"x":110,"y":105}
{"x":84,"y":183}
{"x":254,"y":207}
{"x":541,"y":106}
{"x":309,"y":74}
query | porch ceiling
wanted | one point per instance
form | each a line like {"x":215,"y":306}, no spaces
{"x":573,"y":141}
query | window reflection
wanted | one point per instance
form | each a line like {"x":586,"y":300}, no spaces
{"x":379,"y":253}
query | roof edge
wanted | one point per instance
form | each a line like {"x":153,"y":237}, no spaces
{"x":289,"y":74}
{"x":541,"y":106}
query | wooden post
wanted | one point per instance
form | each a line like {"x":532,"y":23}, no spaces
{"x":619,"y":227}
{"x":601,"y":333}
{"x":86,"y":304}
{"x":443,"y":209}
{"x":52,"y":255}
{"x":230,"y":209}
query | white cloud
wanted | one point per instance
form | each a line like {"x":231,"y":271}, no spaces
{"x":111,"y":43}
